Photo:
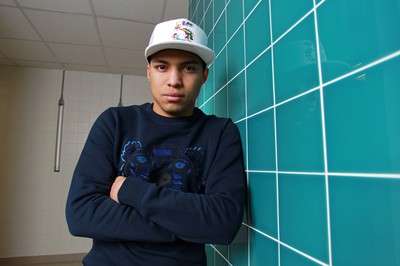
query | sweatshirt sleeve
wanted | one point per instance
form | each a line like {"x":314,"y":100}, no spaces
{"x":90,"y":212}
{"x":212,"y":217}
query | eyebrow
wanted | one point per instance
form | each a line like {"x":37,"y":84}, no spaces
{"x":188,"y":62}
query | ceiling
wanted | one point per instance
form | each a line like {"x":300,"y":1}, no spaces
{"x":86,"y":35}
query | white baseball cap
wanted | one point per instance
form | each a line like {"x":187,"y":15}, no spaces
{"x":181,"y":34}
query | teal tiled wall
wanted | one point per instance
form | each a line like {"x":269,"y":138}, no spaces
{"x":313,"y":86}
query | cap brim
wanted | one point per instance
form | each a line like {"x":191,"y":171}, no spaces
{"x":205,"y":53}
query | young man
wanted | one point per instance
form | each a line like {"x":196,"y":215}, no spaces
{"x":156,"y":182}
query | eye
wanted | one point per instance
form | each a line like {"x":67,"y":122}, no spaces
{"x":161,"y":67}
{"x":190,"y":68}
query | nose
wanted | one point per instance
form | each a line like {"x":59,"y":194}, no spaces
{"x":175,"y":78}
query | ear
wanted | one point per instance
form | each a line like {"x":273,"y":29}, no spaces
{"x":148,"y":71}
{"x":205,"y":76}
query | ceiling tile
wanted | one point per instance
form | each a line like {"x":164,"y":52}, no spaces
{"x":7,"y":2}
{"x":71,"y":6}
{"x":78,"y":54}
{"x":125,"y":58}
{"x":13,"y":24}
{"x":138,"y":10}
{"x":124,"y":34}
{"x":28,"y":50}
{"x":176,"y":9}
{"x":38,"y":64}
{"x":8,"y":62}
{"x":85,"y":35}
{"x":67,"y":28}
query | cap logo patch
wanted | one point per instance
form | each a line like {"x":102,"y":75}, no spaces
{"x":182,"y":32}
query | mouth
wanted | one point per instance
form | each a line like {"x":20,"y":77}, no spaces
{"x":173,"y":97}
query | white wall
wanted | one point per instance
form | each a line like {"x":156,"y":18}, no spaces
{"x":32,"y":195}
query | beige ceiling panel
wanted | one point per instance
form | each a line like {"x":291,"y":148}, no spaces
{"x":78,"y":54}
{"x":7,"y":2}
{"x":124,"y":34}
{"x":28,"y":50}
{"x":7,"y":62}
{"x":77,"y":34}
{"x":38,"y":64}
{"x":125,"y":58}
{"x":138,"y":10}
{"x":13,"y":24}
{"x":71,"y":6}
{"x":66,"y":28}
{"x":176,"y":9}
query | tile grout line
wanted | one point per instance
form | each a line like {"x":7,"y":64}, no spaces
{"x":226,"y":54}
{"x":247,"y":131}
{"x":275,"y":131}
{"x":324,"y":144}
{"x":366,"y":175}
{"x":287,"y":245}
{"x":216,"y":250}
{"x":361,"y":175}
{"x":366,"y":67}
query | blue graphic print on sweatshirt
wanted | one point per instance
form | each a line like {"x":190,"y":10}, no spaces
{"x":165,"y":165}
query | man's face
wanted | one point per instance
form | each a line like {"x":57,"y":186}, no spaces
{"x":175,"y":77}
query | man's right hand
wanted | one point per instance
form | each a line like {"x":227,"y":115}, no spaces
{"x":116,"y":186}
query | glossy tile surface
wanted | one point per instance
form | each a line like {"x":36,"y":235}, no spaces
{"x":237,"y":98}
{"x":312,"y":86}
{"x":263,"y":251}
{"x":303,"y":214}
{"x":262,"y":142}
{"x":234,"y":16}
{"x":257,"y":31}
{"x":286,"y":13}
{"x":365,"y":218}
{"x":290,"y":258}
{"x":259,"y":84}
{"x":238,"y":251}
{"x":370,"y":30}
{"x":235,"y":54}
{"x":208,"y":20}
{"x":219,"y":7}
{"x":263,"y":203}
{"x":300,"y":145}
{"x":220,"y":71}
{"x":220,"y":33}
{"x":295,"y":61}
{"x":209,"y":107}
{"x":221,"y":108}
{"x":249,"y":5}
{"x":363,"y":121}
{"x":210,"y":255}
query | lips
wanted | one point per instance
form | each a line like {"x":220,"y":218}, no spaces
{"x":173,"y":97}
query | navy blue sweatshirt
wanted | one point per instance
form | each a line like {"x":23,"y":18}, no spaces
{"x":185,"y":187}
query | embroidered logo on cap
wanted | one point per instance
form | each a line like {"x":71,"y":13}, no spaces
{"x":182,"y":32}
